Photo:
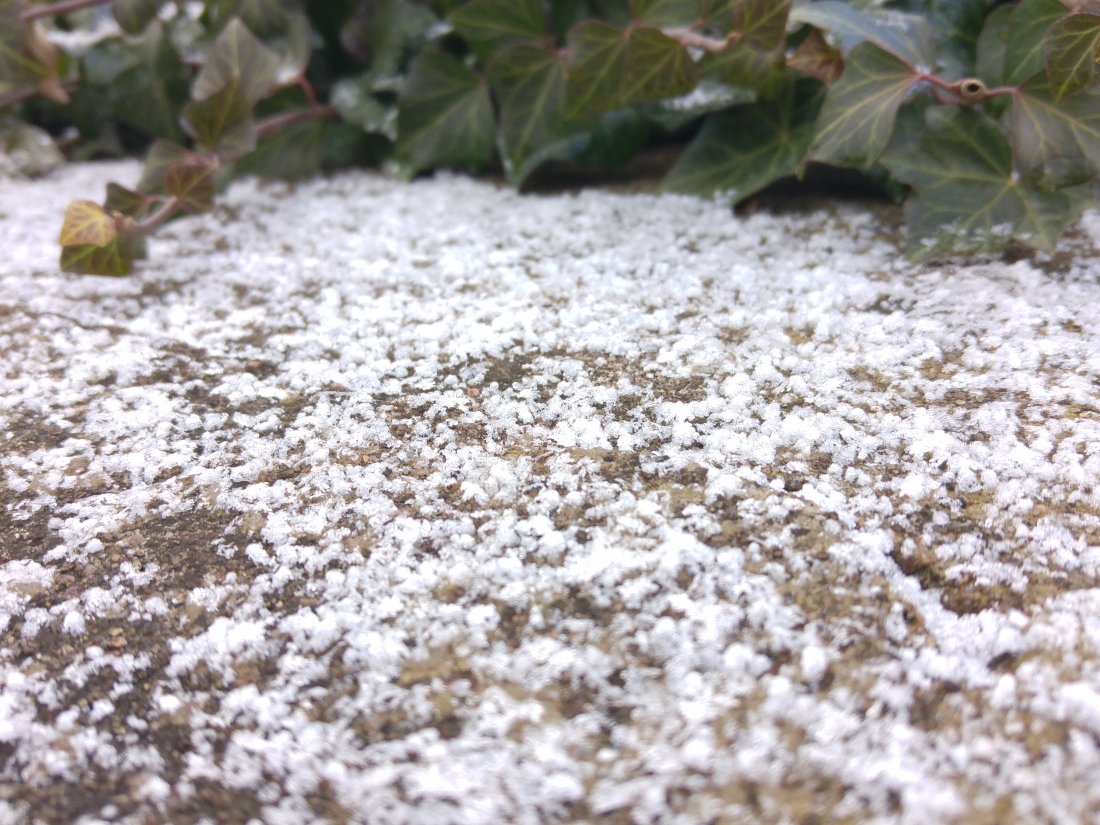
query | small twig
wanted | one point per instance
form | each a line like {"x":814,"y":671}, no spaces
{"x":307,"y":87}
{"x":276,"y":123}
{"x":63,"y":7}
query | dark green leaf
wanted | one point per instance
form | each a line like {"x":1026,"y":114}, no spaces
{"x":239,"y":60}
{"x":617,"y":138}
{"x":1027,"y":27}
{"x":356,"y":104}
{"x":125,"y":201}
{"x":161,"y":155}
{"x":857,"y":119}
{"x":193,"y":183}
{"x":708,"y":97}
{"x":740,"y":151}
{"x":115,"y":259}
{"x":1071,"y":50}
{"x":967,"y":198}
{"x":1056,"y":144}
{"x":817,"y":58}
{"x":655,"y":66}
{"x":746,"y":66}
{"x":134,"y":15}
{"x":529,"y":82}
{"x":291,"y":154}
{"x":490,"y":25}
{"x":388,"y":33}
{"x":991,"y":47}
{"x":666,"y":12}
{"x":150,"y":94}
{"x":222,"y":122}
{"x":906,"y":36}
{"x":762,"y":23}
{"x":597,"y":56}
{"x":445,"y":117}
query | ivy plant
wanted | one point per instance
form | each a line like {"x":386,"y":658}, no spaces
{"x":983,"y":116}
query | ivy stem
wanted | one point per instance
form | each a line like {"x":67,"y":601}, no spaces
{"x":63,"y":7}
{"x":982,"y":95}
{"x":276,"y":123}
{"x":17,"y":96}
{"x":307,"y":87}
{"x":166,"y":210}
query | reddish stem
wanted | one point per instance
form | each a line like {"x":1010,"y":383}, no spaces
{"x":276,"y":123}
{"x":63,"y":7}
{"x":163,"y":213}
{"x":17,"y":96}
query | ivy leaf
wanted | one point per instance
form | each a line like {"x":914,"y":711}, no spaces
{"x":709,"y":96}
{"x":1056,"y":144}
{"x":655,"y":66}
{"x":617,"y":138}
{"x":762,"y":23}
{"x":1027,"y":27}
{"x":740,"y":151}
{"x":1071,"y":50}
{"x":857,"y":119}
{"x":134,"y":15}
{"x":992,"y":44}
{"x":150,"y":94}
{"x":115,"y":258}
{"x":11,"y":41}
{"x":125,"y":201}
{"x":490,"y":25}
{"x":222,"y":122}
{"x":597,"y":55}
{"x":238,"y":59}
{"x":193,"y":184}
{"x":291,"y":154}
{"x":746,"y":66}
{"x":816,"y":58}
{"x":353,"y":99}
{"x":967,"y":198}
{"x":87,"y":223}
{"x":380,"y":33}
{"x":666,"y":12}
{"x":530,"y":84}
{"x":444,"y":116}
{"x":161,"y":155}
{"x":908,"y":37}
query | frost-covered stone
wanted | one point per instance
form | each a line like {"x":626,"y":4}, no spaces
{"x":434,"y":503}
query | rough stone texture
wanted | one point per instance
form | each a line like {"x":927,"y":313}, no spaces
{"x":431,"y":503}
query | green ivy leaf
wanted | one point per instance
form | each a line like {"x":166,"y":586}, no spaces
{"x":382,"y":32}
{"x":1056,"y":144}
{"x":125,"y":201}
{"x":1027,"y":27}
{"x":490,"y":25}
{"x":293,"y":153}
{"x":161,"y":155}
{"x":655,"y":66}
{"x":597,"y":55}
{"x":908,"y":37}
{"x":445,"y":116}
{"x":1071,"y":50}
{"x":857,"y":119}
{"x":967,"y":198}
{"x":151,"y":92}
{"x":709,"y":96}
{"x":617,"y":138}
{"x":239,"y":60}
{"x":746,"y":66}
{"x":762,"y":23}
{"x":114,"y":259}
{"x":992,"y":44}
{"x":354,"y":100}
{"x":666,"y":12}
{"x":134,"y":15}
{"x":193,"y":184}
{"x":740,"y":151}
{"x":529,"y":82}
{"x":11,"y":41}
{"x":222,"y":122}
